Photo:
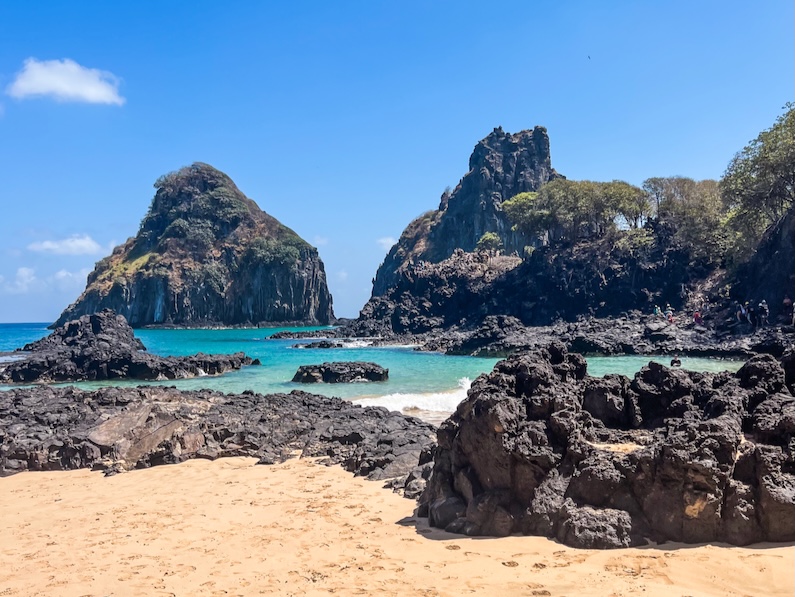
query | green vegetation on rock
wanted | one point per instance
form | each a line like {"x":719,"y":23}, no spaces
{"x":759,"y":184}
{"x":206,"y":253}
{"x":490,"y":241}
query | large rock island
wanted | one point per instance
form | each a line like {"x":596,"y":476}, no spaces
{"x":206,"y":254}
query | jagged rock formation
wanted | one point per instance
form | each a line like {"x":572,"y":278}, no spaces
{"x":118,"y":429}
{"x":102,"y":346}
{"x":341,"y":372}
{"x":541,"y":448}
{"x":207,"y":254}
{"x":602,"y":277}
{"x":501,"y":166}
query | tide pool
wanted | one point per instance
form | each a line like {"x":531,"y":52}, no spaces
{"x":419,"y":383}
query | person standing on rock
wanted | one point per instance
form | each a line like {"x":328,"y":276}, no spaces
{"x":669,"y":313}
{"x":763,"y":311}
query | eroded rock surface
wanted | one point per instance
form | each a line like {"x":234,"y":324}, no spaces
{"x":341,"y":372}
{"x":541,"y":448}
{"x":118,"y":429}
{"x":206,"y":254}
{"x":102,"y":346}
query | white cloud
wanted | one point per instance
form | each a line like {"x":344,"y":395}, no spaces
{"x":74,"y":245}
{"x":24,"y":281}
{"x":319,"y":241}
{"x":66,"y":281}
{"x":386,"y":242}
{"x":342,"y":275}
{"x":66,"y":81}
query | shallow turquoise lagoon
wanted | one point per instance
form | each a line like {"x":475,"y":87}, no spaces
{"x":418,"y":381}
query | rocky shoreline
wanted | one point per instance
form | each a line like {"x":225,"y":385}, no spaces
{"x":630,"y":334}
{"x":102,"y":346}
{"x":538,"y":447}
{"x":119,"y":429}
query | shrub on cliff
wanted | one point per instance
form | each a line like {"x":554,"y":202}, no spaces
{"x":759,"y":184}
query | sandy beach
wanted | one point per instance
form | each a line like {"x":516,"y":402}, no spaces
{"x":230,"y":527}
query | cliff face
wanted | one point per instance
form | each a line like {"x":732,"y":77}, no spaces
{"x":206,"y":254}
{"x":770,"y":274}
{"x":501,"y":166}
{"x":605,"y":277}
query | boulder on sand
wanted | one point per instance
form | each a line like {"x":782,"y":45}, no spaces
{"x":541,"y":448}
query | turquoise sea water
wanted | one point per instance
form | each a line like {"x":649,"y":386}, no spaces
{"x":418,"y":381}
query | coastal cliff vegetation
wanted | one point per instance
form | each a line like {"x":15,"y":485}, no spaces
{"x":573,"y":248}
{"x":206,"y":254}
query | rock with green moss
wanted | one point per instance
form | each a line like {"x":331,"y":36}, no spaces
{"x":206,"y":254}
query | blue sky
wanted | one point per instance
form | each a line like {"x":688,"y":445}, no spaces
{"x":347,"y":120}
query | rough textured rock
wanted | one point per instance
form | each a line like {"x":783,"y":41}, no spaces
{"x":770,"y":274}
{"x":539,"y":447}
{"x":481,"y":304}
{"x":501,"y":166}
{"x":118,"y":429}
{"x":341,"y":372}
{"x":206,"y":254}
{"x":102,"y":346}
{"x":602,"y":277}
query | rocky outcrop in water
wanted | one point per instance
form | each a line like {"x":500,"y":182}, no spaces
{"x":501,"y":166}
{"x":101,"y":347}
{"x":341,"y":372}
{"x":118,"y":429}
{"x":206,"y":254}
{"x":540,"y":448}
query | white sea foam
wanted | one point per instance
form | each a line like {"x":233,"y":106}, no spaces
{"x":357,"y":343}
{"x":443,"y":402}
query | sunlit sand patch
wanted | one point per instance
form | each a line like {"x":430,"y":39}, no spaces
{"x":617,"y":448}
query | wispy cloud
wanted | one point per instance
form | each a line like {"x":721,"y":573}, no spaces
{"x":319,"y":241}
{"x":24,"y":281}
{"x":66,"y":281}
{"x":66,"y":81}
{"x":74,"y":245}
{"x":342,"y":275}
{"x":386,"y":242}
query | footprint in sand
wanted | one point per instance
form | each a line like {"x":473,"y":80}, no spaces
{"x":453,"y":547}
{"x":510,"y":564}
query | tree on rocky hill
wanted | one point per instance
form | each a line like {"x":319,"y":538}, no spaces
{"x":567,"y":210}
{"x":759,"y":184}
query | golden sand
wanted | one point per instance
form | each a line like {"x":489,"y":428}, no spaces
{"x":232,"y":528}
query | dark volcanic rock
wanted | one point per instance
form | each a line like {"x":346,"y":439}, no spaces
{"x":501,"y":166}
{"x":320,"y":344}
{"x":206,"y":255}
{"x":539,"y":447}
{"x":341,"y":372}
{"x":117,"y":429}
{"x":102,"y":346}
